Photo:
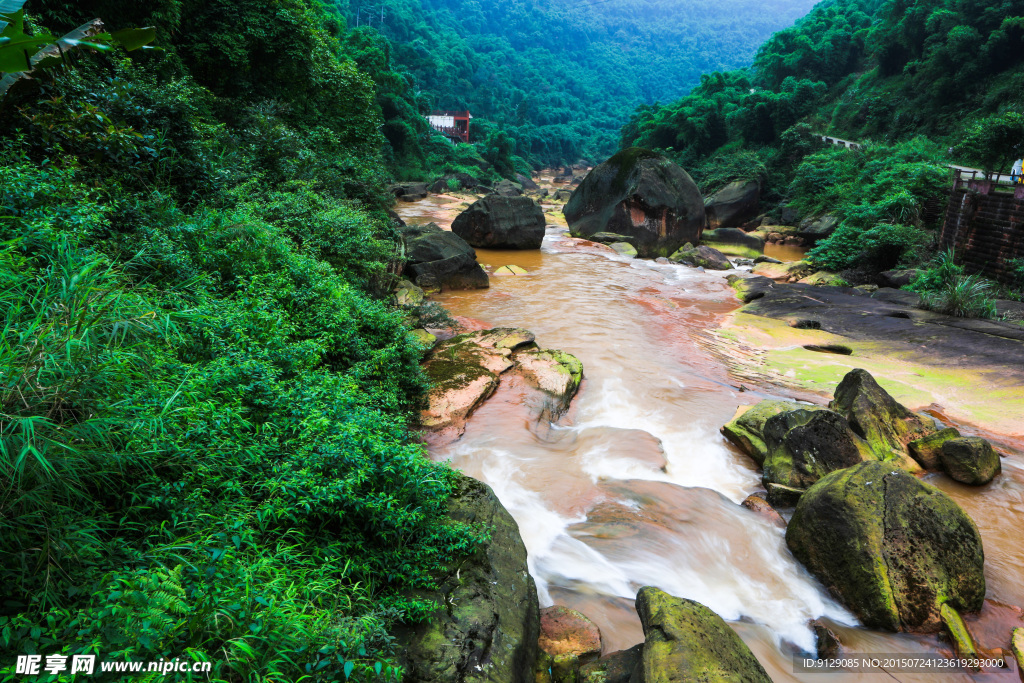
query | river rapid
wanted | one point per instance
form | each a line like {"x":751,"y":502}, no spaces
{"x":636,"y":486}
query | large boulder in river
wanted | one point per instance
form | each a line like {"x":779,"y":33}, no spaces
{"x":891,"y":547}
{"x":496,"y":222}
{"x":438,"y":259}
{"x":733,"y":238}
{"x":876,"y":416}
{"x":506,"y":188}
{"x":641,"y":194}
{"x":733,"y":205}
{"x":685,"y":642}
{"x":970,"y":460}
{"x":487,"y":625}
{"x":815,"y":229}
{"x":805,"y":445}
{"x":556,"y":373}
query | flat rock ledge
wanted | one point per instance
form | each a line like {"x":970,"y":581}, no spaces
{"x":466,"y":370}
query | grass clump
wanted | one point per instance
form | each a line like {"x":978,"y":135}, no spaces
{"x":946,"y":288}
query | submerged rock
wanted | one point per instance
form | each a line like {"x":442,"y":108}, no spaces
{"x":761,"y":507}
{"x":640,"y":194}
{"x":733,"y":205}
{"x":891,"y":547}
{"x":510,"y":270}
{"x":684,"y":641}
{"x":805,"y":445}
{"x":487,"y":626}
{"x":441,"y":260}
{"x":702,"y":256}
{"x":970,"y":460}
{"x":497,"y":222}
{"x":876,"y":416}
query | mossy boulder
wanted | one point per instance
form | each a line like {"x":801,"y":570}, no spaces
{"x":784,"y":272}
{"x":824,"y":278}
{"x":876,"y":416}
{"x":497,"y":222}
{"x":892,"y":548}
{"x":570,"y":639}
{"x":734,"y":241}
{"x":750,"y":288}
{"x":970,"y":460}
{"x":684,"y":641}
{"x":408,"y":295}
{"x":441,"y":260}
{"x":487,"y":623}
{"x":640,"y":194}
{"x":556,"y":373}
{"x":805,"y":445}
{"x":746,"y":429}
{"x":734,"y":204}
{"x":624,"y":249}
{"x":703,"y":256}
{"x":928,"y":449}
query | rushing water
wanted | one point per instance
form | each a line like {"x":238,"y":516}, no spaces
{"x":636,"y":486}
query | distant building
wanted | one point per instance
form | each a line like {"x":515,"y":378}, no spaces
{"x":452,"y":124}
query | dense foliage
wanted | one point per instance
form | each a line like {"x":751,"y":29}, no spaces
{"x":558,"y":77}
{"x":921,"y":83}
{"x":204,"y":448}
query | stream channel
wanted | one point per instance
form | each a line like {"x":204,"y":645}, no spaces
{"x":636,"y":486}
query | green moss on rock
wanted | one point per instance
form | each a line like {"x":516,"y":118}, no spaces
{"x":747,"y":429}
{"x":891,"y":547}
{"x":684,"y":641}
{"x":970,"y":460}
{"x":927,"y":449}
{"x":805,"y":445}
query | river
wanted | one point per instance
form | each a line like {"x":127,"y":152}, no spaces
{"x":636,"y":486}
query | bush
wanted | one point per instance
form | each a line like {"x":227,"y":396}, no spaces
{"x":945,"y":288}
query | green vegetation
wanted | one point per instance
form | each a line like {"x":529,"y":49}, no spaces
{"x":910,"y":79}
{"x":206,"y":396}
{"x":946,"y":288}
{"x":560,"y":77}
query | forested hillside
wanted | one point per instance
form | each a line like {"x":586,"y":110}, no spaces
{"x":204,"y":448}
{"x":923,"y":84}
{"x":559,"y":77}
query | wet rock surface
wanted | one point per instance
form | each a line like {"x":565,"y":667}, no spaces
{"x":640,"y":194}
{"x":497,"y":222}
{"x":441,"y":260}
{"x":892,"y":548}
{"x":805,"y":445}
{"x":970,"y":460}
{"x":746,"y":429}
{"x":487,"y":627}
{"x":686,"y":641}
{"x":733,"y":205}
{"x":616,"y":667}
{"x":702,"y":256}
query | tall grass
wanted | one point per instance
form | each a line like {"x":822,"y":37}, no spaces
{"x":945,"y":288}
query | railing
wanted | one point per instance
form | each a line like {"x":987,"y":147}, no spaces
{"x":984,"y":182}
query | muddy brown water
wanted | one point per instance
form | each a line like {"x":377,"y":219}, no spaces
{"x":635,"y":485}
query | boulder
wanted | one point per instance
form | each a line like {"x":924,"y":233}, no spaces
{"x":750,"y":288}
{"x":438,"y":259}
{"x":623,"y":248}
{"x":970,"y":460}
{"x":702,"y":256}
{"x":423,"y":338}
{"x":928,"y":449}
{"x":487,"y":625}
{"x":788,"y":215}
{"x":557,"y":373}
{"x":641,"y":194}
{"x":506,"y":188}
{"x":891,"y":547}
{"x":817,"y":229}
{"x":876,"y":416}
{"x":805,"y":445}
{"x":562,"y":195}
{"x":766,"y":259}
{"x":685,"y":642}
{"x":526,"y":182}
{"x":567,"y":640}
{"x":497,"y":222}
{"x":409,"y":192}
{"x":733,"y":205}
{"x":616,"y":667}
{"x":752,"y":244}
{"x":746,"y":429}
